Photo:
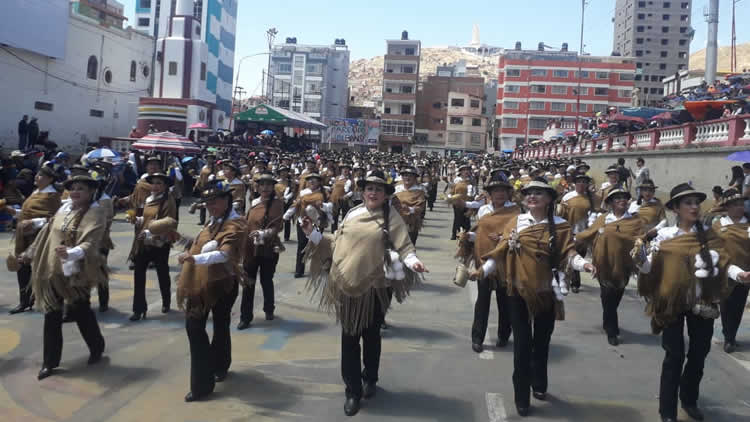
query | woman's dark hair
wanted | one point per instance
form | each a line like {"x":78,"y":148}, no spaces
{"x":737,"y":175}
{"x":718,"y":190}
{"x":640,"y":160}
{"x":554,"y":253}
{"x":700,"y":233}
{"x":268,"y":207}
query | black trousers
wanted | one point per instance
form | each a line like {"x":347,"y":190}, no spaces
{"x":102,"y":288}
{"x":352,"y":356}
{"x":460,"y":221}
{"x":24,"y":290}
{"x":202,"y":218}
{"x":531,"y":338}
{"x":299,"y":268}
{"x":177,"y":202}
{"x":482,"y":312}
{"x":287,"y":224}
{"x":342,"y":210}
{"x":210,"y":357}
{"x":611,"y":298}
{"x":674,"y":377}
{"x":87,"y":325}
{"x":267,"y":267}
{"x":413,"y":236}
{"x":731,"y":312}
{"x":160,"y":258}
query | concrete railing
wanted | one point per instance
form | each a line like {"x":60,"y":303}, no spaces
{"x":727,"y":132}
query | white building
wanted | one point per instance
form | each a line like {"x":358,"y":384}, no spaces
{"x":217,"y":27}
{"x":310,"y":79}
{"x":88,"y":91}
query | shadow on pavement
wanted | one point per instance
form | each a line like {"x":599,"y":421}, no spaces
{"x":646,"y":339}
{"x":436,"y":288}
{"x":418,"y":405}
{"x":407,"y":332}
{"x":563,"y":410}
{"x":254,"y":388}
{"x":559,"y":352}
{"x":107,"y":374}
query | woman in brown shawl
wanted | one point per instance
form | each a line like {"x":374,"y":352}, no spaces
{"x":312,"y":195}
{"x":66,"y":264}
{"x":262,"y":252}
{"x":575,"y":208}
{"x":370,"y":253}
{"x":611,"y":236}
{"x":535,"y":250}
{"x":683,"y":278}
{"x":411,"y":202}
{"x":733,"y":229}
{"x":160,"y":210}
{"x":208,"y":282}
{"x":649,"y":208}
{"x":35,"y":211}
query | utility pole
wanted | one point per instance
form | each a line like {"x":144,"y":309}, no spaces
{"x":580,"y":65}
{"x":712,"y":18}
{"x":734,"y":39}
{"x":270,"y":36}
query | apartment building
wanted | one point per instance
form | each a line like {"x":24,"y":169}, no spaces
{"x":400,"y":80}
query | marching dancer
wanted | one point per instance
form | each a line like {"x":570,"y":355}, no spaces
{"x":649,"y":208}
{"x":342,"y":185}
{"x":66,"y":264}
{"x":350,"y":269}
{"x":575,"y":208}
{"x":264,"y":221}
{"x":462,"y":190}
{"x":411,"y":202}
{"x":208,"y":282}
{"x":312,"y":195}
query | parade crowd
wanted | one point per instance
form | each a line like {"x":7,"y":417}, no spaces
{"x":523,"y":229}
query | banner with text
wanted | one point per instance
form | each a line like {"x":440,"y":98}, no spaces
{"x":352,"y":132}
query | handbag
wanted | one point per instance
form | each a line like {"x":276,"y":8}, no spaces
{"x":461,"y":277}
{"x":11,"y":261}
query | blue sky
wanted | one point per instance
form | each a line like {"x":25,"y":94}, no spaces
{"x":365,"y":25}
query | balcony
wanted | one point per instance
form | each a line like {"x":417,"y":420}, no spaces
{"x":397,"y":117}
{"x":727,"y":132}
{"x":392,"y":76}
{"x":396,"y":96}
{"x":401,"y":58}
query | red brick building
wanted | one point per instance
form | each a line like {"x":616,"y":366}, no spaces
{"x":535,"y":87}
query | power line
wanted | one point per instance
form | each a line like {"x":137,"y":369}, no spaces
{"x":73,"y":83}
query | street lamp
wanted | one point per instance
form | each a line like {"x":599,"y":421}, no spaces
{"x":237,"y":79}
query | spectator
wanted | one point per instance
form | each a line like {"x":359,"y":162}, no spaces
{"x":746,"y":186}
{"x":738,"y":178}
{"x":625,"y":175}
{"x":23,"y":132}
{"x":33,"y":133}
{"x":134,"y":133}
{"x":641,"y":174}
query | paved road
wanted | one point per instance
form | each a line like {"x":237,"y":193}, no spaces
{"x":288,"y":369}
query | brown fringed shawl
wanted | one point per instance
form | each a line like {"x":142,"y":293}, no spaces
{"x":527,"y":269}
{"x":611,"y":244}
{"x":348,"y":268}
{"x":38,"y":205}
{"x":411,"y":198}
{"x":737,"y":244}
{"x":199,"y":287}
{"x":669,"y":288}
{"x":651,"y":213}
{"x":84,"y":229}
{"x":575,"y":209}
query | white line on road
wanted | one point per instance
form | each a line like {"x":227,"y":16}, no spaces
{"x":487,"y":355}
{"x":496,"y":408}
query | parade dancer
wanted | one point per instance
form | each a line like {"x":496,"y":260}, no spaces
{"x":462,"y":190}
{"x":575,"y":207}
{"x":411,"y":202}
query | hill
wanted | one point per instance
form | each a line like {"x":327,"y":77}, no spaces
{"x":698,"y":59}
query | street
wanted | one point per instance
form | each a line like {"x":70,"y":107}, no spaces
{"x":288,"y":369}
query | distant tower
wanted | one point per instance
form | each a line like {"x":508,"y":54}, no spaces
{"x":475,"y":35}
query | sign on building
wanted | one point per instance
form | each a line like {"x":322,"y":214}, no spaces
{"x":352,"y":132}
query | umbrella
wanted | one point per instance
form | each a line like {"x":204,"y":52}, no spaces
{"x":200,"y":125}
{"x":212,"y":149}
{"x":667,"y":115}
{"x":166,"y":142}
{"x":619,"y":117}
{"x":187,"y":159}
{"x":570,"y":133}
{"x":743,"y":156}
{"x":101,"y":154}
{"x":267,"y":132}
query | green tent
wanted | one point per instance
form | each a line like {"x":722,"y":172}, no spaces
{"x":276,"y":116}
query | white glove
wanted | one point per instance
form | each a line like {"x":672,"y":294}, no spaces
{"x":327,"y":207}
{"x":210,"y":246}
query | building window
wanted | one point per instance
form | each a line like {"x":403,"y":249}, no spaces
{"x":512,"y":88}
{"x":664,"y":29}
{"x":584,"y":91}
{"x":405,"y":108}
{"x":584,"y":108}
{"x":92,"y":69}
{"x":539,"y":72}
{"x":602,"y":75}
{"x":513,"y":72}
{"x":639,"y":40}
{"x":133,"y":69}
{"x":665,"y":17}
{"x":457,"y":102}
{"x":682,"y":55}
{"x":407,"y":69}
{"x":683,"y":42}
{"x":662,"y":66}
{"x":557,"y":106}
{"x":40,"y":105}
{"x":406,"y":89}
{"x":536,"y":105}
{"x":144,"y":21}
{"x":172,"y":68}
{"x":684,"y":5}
{"x":476,"y":122}
{"x":559,"y":90}
{"x":626,"y":76}
{"x":656,"y":78}
{"x":312,"y":106}
{"x":667,"y":5}
{"x":625,"y":93}
{"x":203,"y":71}
{"x":641,"y":4}
{"x":409,"y":51}
{"x":537,"y":123}
{"x":285,"y":68}
{"x":146,"y":4}
{"x":436,"y":105}
{"x":641,"y":16}
{"x":599,"y":107}
{"x":664,"y":41}
{"x":601,"y":92}
{"x":314,"y":69}
{"x":397,"y":127}
{"x":510,"y":123}
{"x":474,"y":103}
{"x":475,"y":140}
{"x":663,"y":54}
{"x":584,"y":74}
{"x":146,"y":71}
{"x":297,"y":78}
{"x":96,"y":113}
{"x":455,"y":138}
{"x":108,"y":76}
{"x":457,"y":120}
{"x":683,"y":29}
{"x":560,"y":73}
{"x":312,"y":87}
{"x":639,"y":28}
{"x":538,"y":89}
{"x":510,"y":105}
{"x":639,"y":53}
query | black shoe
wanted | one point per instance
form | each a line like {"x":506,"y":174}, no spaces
{"x":269,"y":316}
{"x":137,"y":316}
{"x":668,"y":419}
{"x":453,"y":237}
{"x":351,"y":406}
{"x":165,"y":309}
{"x":296,"y":275}
{"x":103,"y":308}
{"x":131,"y":266}
{"x":477,"y":347}
{"x":369,"y":390}
{"x":730,"y":346}
{"x":383,"y":325}
{"x":693,"y":412}
{"x":45,"y":372}
{"x":243,"y":325}
{"x":220,"y":376}
{"x":575,"y":289}
{"x":68,"y":318}
{"x":612,"y":340}
{"x":522,"y":411}
{"x":501,"y":342}
{"x":189,"y":397}
{"x":20,"y":308}
{"x":95,"y":357}
{"x":539,"y":395}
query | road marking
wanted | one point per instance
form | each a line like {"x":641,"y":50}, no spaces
{"x":496,"y":408}
{"x":487,"y":355}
